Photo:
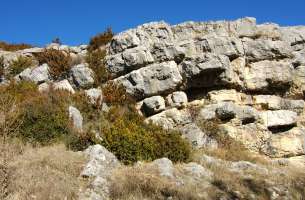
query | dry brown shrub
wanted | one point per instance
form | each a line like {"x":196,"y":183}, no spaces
{"x":14,"y":47}
{"x":100,"y":39}
{"x":58,"y":61}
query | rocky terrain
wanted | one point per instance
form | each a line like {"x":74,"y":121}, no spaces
{"x":211,"y":81}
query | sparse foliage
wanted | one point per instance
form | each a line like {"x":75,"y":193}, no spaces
{"x":20,"y":64}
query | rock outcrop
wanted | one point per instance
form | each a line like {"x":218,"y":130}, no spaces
{"x":249,"y":76}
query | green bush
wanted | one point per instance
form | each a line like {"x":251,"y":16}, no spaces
{"x":59,"y":62}
{"x":44,"y":119}
{"x":100,"y":39}
{"x":95,"y":59}
{"x":17,"y":66}
{"x":131,"y":139}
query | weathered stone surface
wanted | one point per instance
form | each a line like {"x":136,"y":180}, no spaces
{"x":82,"y":75}
{"x":226,"y":111}
{"x":264,"y":75}
{"x":197,"y":171}
{"x":278,"y":118}
{"x":177,"y":99}
{"x":229,"y":46}
{"x":76,"y":118}
{"x":203,"y":70}
{"x":287,"y":144}
{"x":251,"y":135}
{"x":257,"y":50}
{"x":63,"y":85}
{"x":153,"y":105}
{"x":272,"y":102}
{"x":38,"y":74}
{"x":197,"y":137}
{"x":295,"y":36}
{"x":165,"y":167}
{"x":152,"y":80}
{"x":217,"y":96}
{"x":99,"y":168}
{"x":172,"y":118}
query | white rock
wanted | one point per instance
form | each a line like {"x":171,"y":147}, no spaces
{"x":279,"y":118}
{"x":76,"y":118}
{"x":82,"y":75}
{"x":177,"y":99}
{"x":153,"y":105}
{"x":63,"y":85}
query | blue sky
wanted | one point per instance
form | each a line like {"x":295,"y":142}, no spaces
{"x":75,"y":21}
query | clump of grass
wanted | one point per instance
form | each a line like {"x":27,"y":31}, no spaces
{"x":45,"y":173}
{"x":58,"y":61}
{"x":100,"y":40}
{"x":14,"y":47}
{"x":20,"y":64}
{"x":146,"y":183}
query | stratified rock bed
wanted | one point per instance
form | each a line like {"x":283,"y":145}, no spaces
{"x":250,"y":76}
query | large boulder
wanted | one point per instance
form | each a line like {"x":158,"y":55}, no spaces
{"x":155,"y":79}
{"x":82,"y":75}
{"x":38,"y":74}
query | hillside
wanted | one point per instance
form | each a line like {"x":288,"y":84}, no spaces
{"x":198,"y":110}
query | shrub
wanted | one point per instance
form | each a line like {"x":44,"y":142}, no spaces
{"x":95,"y":59}
{"x":58,"y":61}
{"x":115,"y":94}
{"x":100,"y":39}
{"x":14,"y":47}
{"x":17,"y":66}
{"x":57,"y":41}
{"x":45,"y":119}
{"x":131,"y":139}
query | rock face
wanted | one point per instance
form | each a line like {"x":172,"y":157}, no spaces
{"x":248,"y":76}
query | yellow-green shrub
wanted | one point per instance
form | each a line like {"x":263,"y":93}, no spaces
{"x":131,"y":139}
{"x":20,"y":64}
{"x":59,"y":62}
{"x":45,"y":119}
{"x":95,"y":59}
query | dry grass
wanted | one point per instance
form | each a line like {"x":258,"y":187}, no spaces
{"x":144,"y":183}
{"x":43,"y":173}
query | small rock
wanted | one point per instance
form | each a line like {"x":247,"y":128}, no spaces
{"x":153,"y":105}
{"x":63,"y":85}
{"x":177,"y":99}
{"x":77,"y":118}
